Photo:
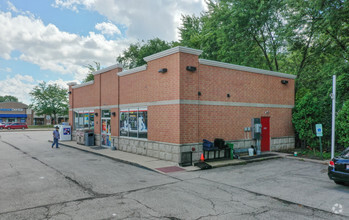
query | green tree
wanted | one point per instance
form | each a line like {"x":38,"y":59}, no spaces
{"x":92,"y":69}
{"x":342,"y":125}
{"x":8,"y":98}
{"x":305,"y":116}
{"x":49,"y":100}
{"x":133,"y":56}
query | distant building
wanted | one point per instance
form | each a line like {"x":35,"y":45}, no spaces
{"x":19,"y":112}
{"x":15,"y":112}
{"x":47,"y":120}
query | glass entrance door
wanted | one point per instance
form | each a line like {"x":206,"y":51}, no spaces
{"x":106,"y":133}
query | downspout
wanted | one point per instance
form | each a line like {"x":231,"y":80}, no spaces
{"x":100,"y":109}
{"x":118,"y":110}
{"x":198,"y":86}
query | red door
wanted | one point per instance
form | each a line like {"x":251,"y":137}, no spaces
{"x":265,"y":143}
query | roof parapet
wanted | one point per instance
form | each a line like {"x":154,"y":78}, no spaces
{"x":172,"y":51}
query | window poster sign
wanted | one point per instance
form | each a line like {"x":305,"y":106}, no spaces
{"x":134,"y":122}
{"x":124,"y":122}
{"x":106,"y":140}
{"x":132,"y":114}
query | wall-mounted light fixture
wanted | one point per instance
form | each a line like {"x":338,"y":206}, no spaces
{"x":284,"y":82}
{"x":266,"y":112}
{"x":113,"y":114}
{"x":163,"y":70}
{"x":191,"y":68}
{"x":69,"y":92}
{"x":228,"y":95}
{"x":199,"y":93}
{"x":96,"y":114}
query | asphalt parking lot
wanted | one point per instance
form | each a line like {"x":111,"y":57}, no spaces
{"x":38,"y":182}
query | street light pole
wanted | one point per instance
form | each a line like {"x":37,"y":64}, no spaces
{"x":333,"y":96}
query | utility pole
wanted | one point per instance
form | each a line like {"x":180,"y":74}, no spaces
{"x":333,"y":96}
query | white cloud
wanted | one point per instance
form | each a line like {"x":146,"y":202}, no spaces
{"x":108,"y":28}
{"x":18,"y":86}
{"x":12,"y":7}
{"x":52,"y":49}
{"x":7,"y":69}
{"x":144,"y":19}
{"x":25,"y":78}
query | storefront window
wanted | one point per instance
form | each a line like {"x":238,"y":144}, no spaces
{"x":124,"y":123}
{"x":134,"y":122}
{"x":143,"y":123}
{"x":92,"y":121}
{"x":84,"y":119}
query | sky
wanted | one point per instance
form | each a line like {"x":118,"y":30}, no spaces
{"x":53,"y":40}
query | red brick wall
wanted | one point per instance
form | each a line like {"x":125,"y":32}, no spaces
{"x":109,"y":87}
{"x":217,"y":82}
{"x":228,"y":122}
{"x":150,"y":85}
{"x":163,"y":123}
{"x":87,"y":96}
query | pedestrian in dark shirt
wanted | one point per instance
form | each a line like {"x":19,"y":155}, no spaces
{"x":56,"y":136}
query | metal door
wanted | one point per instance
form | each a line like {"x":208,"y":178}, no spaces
{"x":265,"y":143}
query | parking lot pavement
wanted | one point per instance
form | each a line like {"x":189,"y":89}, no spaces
{"x":38,"y":182}
{"x":299,"y":182}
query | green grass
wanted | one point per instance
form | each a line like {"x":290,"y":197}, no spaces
{"x":40,"y":126}
{"x":316,"y":154}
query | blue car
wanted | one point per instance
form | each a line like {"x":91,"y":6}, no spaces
{"x":338,"y":168}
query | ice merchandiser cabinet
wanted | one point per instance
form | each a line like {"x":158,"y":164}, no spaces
{"x":65,"y":132}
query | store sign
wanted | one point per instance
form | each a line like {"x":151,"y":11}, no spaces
{"x":106,"y":113}
{"x":12,"y":109}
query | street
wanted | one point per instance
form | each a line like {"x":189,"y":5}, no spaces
{"x":40,"y":182}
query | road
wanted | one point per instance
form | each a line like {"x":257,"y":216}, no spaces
{"x":38,"y":182}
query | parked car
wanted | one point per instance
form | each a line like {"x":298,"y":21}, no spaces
{"x":2,"y":125}
{"x":338,"y":168}
{"x":16,"y":125}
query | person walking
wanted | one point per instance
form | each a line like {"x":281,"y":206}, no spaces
{"x":56,"y":136}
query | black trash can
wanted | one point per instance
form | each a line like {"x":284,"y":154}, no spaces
{"x":89,"y":139}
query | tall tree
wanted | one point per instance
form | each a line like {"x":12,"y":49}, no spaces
{"x":8,"y":98}
{"x":133,"y":56}
{"x":92,"y":69}
{"x":49,"y":100}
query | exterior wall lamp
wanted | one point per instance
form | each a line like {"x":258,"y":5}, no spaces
{"x":113,"y":113}
{"x":163,"y":70}
{"x":191,"y":68}
{"x":69,"y":92}
{"x":96,"y":114}
{"x":284,"y":82}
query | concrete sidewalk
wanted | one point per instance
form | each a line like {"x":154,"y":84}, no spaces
{"x":163,"y":166}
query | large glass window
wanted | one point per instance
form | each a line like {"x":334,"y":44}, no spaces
{"x":92,"y":121}
{"x":84,"y":119}
{"x":134,"y":122}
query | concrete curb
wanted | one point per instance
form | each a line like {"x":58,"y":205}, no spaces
{"x":285,"y":155}
{"x":106,"y":156}
{"x":20,"y":130}
{"x":325,"y":162}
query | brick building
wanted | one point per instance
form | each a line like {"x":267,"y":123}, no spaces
{"x":15,"y":112}
{"x":171,"y":104}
